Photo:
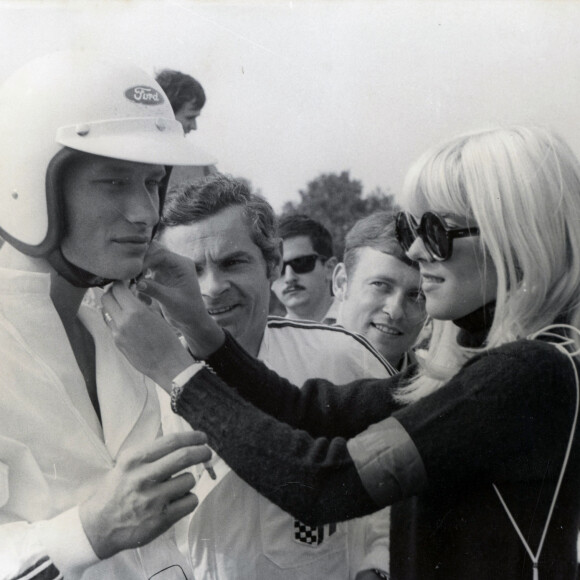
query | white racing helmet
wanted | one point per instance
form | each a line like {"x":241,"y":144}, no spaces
{"x":78,"y":101}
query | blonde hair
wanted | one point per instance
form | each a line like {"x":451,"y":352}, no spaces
{"x":521,"y":185}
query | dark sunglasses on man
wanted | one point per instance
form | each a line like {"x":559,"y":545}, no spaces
{"x":302,"y":264}
{"x":435,"y":234}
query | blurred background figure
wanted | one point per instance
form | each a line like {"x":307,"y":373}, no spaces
{"x":187,"y":99}
{"x":304,"y":287}
{"x":378,"y":289}
{"x":185,"y":94}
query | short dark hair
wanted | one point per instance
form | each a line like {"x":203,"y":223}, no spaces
{"x":180,"y":88}
{"x":189,"y":203}
{"x":294,"y":225}
{"x":376,"y":231}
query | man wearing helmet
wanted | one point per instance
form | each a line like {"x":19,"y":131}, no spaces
{"x":88,"y":481}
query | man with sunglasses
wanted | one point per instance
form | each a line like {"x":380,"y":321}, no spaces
{"x":237,"y":534}
{"x":304,"y":286}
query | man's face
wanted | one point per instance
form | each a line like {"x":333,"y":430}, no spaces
{"x":187,"y":115}
{"x":111,"y":207}
{"x":302,"y":294}
{"x":232,"y":272}
{"x":382,"y":300}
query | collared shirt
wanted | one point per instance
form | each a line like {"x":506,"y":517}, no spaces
{"x":54,"y":452}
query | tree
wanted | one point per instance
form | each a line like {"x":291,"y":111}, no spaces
{"x":337,"y":202}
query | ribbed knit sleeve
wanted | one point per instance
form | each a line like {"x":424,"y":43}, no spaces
{"x":314,"y":479}
{"x":319,"y":407}
{"x":499,"y":418}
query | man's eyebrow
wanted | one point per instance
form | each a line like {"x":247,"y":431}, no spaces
{"x":382,"y":278}
{"x":392,"y":280}
{"x":234,"y":254}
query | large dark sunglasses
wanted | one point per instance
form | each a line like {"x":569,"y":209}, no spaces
{"x":302,"y":264}
{"x":435,"y":234}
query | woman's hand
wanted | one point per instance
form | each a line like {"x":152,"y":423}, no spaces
{"x":172,"y":281}
{"x":143,"y":336}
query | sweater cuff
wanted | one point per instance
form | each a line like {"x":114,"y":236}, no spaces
{"x":207,"y":403}
{"x":184,"y":376}
{"x":231,"y":359}
{"x":388,"y":462}
{"x":66,"y":542}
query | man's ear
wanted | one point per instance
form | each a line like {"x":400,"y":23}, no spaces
{"x":339,"y":281}
{"x":275,"y":266}
{"x":329,"y":266}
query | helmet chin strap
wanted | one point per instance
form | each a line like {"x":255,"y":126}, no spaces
{"x":73,"y":274}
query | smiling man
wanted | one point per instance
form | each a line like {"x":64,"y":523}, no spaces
{"x":231,"y":236}
{"x":378,"y":289}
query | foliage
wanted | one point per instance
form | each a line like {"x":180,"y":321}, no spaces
{"x":337,"y":201}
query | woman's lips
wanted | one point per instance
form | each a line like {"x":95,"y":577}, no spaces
{"x":429,"y":282}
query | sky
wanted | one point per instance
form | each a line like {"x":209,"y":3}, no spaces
{"x":296,"y":89}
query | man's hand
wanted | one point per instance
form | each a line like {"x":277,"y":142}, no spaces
{"x":173,"y":283}
{"x":139,"y":498}
{"x":143,"y":336}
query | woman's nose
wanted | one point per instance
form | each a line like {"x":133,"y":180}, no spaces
{"x":418,"y":252}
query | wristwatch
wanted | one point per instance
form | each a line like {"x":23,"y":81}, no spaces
{"x":181,"y":380}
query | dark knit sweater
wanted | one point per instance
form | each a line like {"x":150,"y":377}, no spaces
{"x":504,"y":418}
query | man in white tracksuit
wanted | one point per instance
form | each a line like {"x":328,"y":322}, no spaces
{"x":236,"y":534}
{"x":89,"y":485}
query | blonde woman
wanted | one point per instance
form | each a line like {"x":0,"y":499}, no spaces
{"x":477,"y":448}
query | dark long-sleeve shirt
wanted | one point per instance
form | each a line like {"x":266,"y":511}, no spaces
{"x":505,"y":418}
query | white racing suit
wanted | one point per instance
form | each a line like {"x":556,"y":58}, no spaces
{"x":54,"y":452}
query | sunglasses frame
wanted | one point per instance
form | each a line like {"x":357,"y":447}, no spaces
{"x":420,"y":231}
{"x":286,"y":263}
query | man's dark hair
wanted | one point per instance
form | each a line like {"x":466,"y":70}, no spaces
{"x":180,"y":89}
{"x":193,"y":202}
{"x":375,"y":231}
{"x":294,"y":225}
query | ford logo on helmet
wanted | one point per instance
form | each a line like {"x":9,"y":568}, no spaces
{"x":144,"y":95}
